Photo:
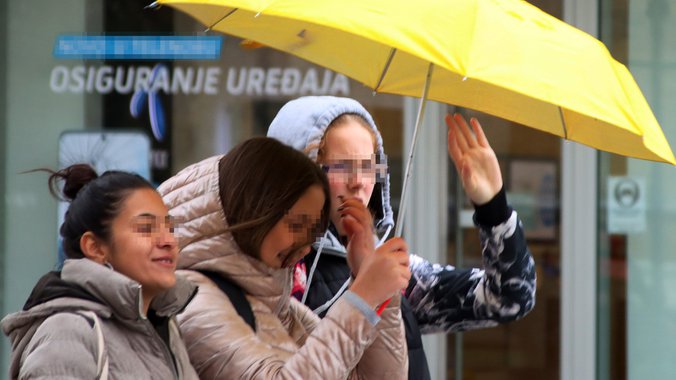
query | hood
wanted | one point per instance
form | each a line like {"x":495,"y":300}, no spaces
{"x":52,"y":286}
{"x":301,"y":123}
{"x":193,"y":197}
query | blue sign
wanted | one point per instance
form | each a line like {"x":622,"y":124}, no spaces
{"x":138,"y":47}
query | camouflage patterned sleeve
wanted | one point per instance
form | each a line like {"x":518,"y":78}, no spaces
{"x":445,"y":299}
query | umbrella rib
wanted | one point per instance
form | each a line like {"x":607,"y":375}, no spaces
{"x":563,"y":124}
{"x":387,"y":66}
{"x":221,"y":19}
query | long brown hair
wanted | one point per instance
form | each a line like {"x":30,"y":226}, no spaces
{"x":259,"y":181}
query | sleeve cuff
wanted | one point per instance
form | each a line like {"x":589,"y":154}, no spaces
{"x":493,"y":213}
{"x":362,"y":306}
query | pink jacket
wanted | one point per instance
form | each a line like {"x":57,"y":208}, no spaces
{"x":290,"y":342}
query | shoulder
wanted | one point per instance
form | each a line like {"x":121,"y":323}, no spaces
{"x":65,"y":323}
{"x":211,"y":310}
{"x":64,"y":333}
{"x":211,"y":326}
{"x":71,"y":328}
{"x":208,"y":297}
{"x":61,"y":345}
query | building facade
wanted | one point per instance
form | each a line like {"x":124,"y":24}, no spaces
{"x":602,"y":228}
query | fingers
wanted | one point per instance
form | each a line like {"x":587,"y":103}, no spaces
{"x":355,"y":206}
{"x":358,"y":212}
{"x":351,"y":226}
{"x":404,"y":277}
{"x":395,"y":244}
{"x":479,"y":132}
{"x":400,"y":258}
{"x":453,"y":149}
{"x":395,"y":250}
{"x":396,"y":261}
{"x":457,"y":135}
{"x":469,"y":139}
{"x":397,"y":265}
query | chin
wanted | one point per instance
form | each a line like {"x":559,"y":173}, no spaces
{"x":165,"y":284}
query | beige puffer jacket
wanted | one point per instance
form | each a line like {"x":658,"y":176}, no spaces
{"x":290,"y":342}
{"x":51,"y":339}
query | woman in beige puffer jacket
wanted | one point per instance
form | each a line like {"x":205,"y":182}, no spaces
{"x":110,"y":312}
{"x":276,"y":201}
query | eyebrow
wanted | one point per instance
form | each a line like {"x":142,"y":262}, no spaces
{"x":146,"y":215}
{"x":347,"y":160}
{"x":302,"y":218}
{"x":153,"y":216}
{"x":310,"y":222}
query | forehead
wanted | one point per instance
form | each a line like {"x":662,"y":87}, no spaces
{"x":350,"y":140}
{"x":143,"y":201}
{"x":309,"y":205}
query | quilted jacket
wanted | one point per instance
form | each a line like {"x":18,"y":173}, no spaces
{"x":289,"y":341}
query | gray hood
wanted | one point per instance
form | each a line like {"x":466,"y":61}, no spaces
{"x":301,"y":123}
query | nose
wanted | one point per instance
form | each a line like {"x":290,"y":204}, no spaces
{"x":355,"y":180}
{"x":166,"y":238}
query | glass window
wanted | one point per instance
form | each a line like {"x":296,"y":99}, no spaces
{"x":530,"y":162}
{"x":55,"y":81}
{"x":637,"y":262}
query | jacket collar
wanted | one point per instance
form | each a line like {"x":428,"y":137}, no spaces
{"x":122,"y":294}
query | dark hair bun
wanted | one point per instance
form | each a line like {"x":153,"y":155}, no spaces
{"x":75,"y":177}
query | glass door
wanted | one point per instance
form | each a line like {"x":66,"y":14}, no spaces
{"x":637,"y":259}
{"x":530,"y":161}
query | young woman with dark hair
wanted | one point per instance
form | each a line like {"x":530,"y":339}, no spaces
{"x":248,"y":217}
{"x":110,"y":312}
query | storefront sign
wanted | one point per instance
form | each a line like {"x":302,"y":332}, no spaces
{"x":194,"y":80}
{"x":139,"y":76}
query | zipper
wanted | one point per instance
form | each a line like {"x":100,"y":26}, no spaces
{"x":151,"y":329}
{"x":165,"y":349}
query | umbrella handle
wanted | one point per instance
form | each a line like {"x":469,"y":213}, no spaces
{"x":382,"y":306}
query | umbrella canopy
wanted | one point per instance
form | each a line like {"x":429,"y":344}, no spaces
{"x":502,"y":57}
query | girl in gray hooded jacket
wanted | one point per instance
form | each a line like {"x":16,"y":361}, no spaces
{"x":341,"y":136}
{"x":110,"y":312}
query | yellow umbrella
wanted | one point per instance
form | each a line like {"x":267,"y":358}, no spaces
{"x":502,"y":57}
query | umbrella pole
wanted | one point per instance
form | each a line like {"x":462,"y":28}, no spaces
{"x":402,"y":205}
{"x":407,"y":175}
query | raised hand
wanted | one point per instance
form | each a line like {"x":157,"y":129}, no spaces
{"x":474,"y":159}
{"x":379,"y":274}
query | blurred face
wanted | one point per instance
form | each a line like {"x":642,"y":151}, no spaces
{"x":143,"y":245}
{"x":350,"y":162}
{"x":290,"y":239}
